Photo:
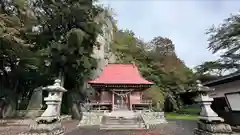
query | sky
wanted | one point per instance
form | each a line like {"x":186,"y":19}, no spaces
{"x":185,"y":22}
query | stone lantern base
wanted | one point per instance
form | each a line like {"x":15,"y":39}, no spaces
{"x":46,"y":129}
{"x":213,"y":128}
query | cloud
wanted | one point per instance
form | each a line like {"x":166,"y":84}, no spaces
{"x":184,"y":22}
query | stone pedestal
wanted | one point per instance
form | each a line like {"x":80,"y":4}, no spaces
{"x":153,"y":118}
{"x":218,"y":128}
{"x":209,"y":122}
{"x":91,"y":119}
{"x":49,"y":122}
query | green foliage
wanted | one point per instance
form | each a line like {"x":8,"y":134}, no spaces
{"x":166,"y":70}
{"x":192,"y":110}
{"x":14,"y":50}
{"x":210,"y":70}
{"x":67,"y":36}
{"x":224,"y":39}
{"x":170,"y":104}
{"x":43,"y":40}
{"x":156,"y":94}
{"x":40,"y":40}
{"x":206,"y":77}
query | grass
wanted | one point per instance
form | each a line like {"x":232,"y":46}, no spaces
{"x":181,"y":116}
{"x":190,"y":110}
{"x":186,"y":113}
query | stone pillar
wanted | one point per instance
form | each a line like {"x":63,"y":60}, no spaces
{"x":100,"y":96}
{"x":209,"y":122}
{"x":130,"y":102}
{"x":112,"y":101}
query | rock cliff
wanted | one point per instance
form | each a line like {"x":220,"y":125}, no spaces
{"x":102,"y":52}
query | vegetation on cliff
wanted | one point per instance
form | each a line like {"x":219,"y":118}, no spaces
{"x":157,"y":62}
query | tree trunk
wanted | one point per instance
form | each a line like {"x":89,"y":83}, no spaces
{"x":76,"y":111}
{"x":61,"y":77}
{"x":9,"y":110}
{"x":74,"y":104}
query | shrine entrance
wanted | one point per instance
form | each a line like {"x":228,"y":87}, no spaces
{"x":119,"y":87}
{"x":121,"y":100}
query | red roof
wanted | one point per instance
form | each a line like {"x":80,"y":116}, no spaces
{"x":120,"y":74}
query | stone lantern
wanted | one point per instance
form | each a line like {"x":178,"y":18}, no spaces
{"x":53,"y":101}
{"x":49,"y":121}
{"x":209,"y":122}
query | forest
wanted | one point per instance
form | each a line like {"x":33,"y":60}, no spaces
{"x":44,"y":40}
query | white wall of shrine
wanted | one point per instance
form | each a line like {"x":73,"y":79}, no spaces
{"x":221,"y":89}
{"x":106,"y":96}
{"x":230,"y":117}
{"x":135,"y":97}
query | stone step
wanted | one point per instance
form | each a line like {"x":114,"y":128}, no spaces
{"x":124,"y":121}
{"x":114,"y":123}
{"x":122,"y":127}
{"x":125,"y":125}
{"x":121,"y":118}
{"x":121,"y":121}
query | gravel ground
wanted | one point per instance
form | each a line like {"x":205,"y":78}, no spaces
{"x":69,"y":125}
{"x":178,"y":127}
{"x":173,"y":127}
{"x":12,"y":130}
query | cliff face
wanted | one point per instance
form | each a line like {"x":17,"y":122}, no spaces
{"x":102,"y":52}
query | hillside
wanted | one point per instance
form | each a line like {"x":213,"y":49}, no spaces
{"x":160,"y":64}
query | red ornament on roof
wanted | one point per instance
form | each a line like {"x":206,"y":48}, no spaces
{"x":120,"y":74}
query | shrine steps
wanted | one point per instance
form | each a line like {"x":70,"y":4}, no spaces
{"x":120,"y":123}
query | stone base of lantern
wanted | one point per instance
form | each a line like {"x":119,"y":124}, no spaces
{"x":213,"y":128}
{"x":236,"y":129}
{"x":46,"y":129}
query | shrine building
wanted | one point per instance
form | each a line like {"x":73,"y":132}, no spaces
{"x":120,"y":87}
{"x":226,"y":96}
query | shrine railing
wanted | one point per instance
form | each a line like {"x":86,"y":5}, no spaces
{"x":144,"y":102}
{"x":100,"y":102}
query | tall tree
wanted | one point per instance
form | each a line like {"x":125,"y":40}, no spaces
{"x":224,"y":39}
{"x":66,"y":35}
{"x":47,"y":39}
{"x":18,"y":64}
